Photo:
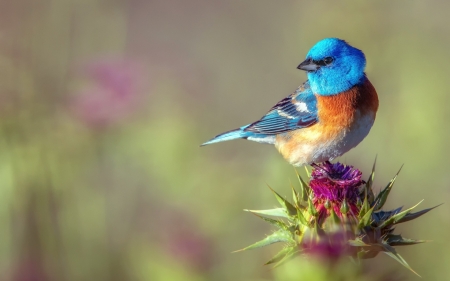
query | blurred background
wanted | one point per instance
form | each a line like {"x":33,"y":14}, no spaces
{"x":103,"y":105}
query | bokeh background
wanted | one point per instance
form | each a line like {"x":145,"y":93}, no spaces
{"x":103,"y":105}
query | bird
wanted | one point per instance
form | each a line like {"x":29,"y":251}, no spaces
{"x":325,"y":117}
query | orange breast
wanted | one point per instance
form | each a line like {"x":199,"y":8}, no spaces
{"x":339,"y":111}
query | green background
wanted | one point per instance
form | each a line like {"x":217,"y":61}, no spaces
{"x":100,"y":184}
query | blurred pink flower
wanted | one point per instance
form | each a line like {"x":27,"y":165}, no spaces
{"x":29,"y":270}
{"x":182,"y":239}
{"x":328,"y":246}
{"x":113,"y":92}
{"x":192,"y":248}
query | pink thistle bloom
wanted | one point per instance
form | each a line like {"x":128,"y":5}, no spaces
{"x":332,"y":184}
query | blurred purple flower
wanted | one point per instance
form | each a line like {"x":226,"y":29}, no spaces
{"x":183,"y":240}
{"x":328,"y":246}
{"x":113,"y":92}
{"x":334,"y":184}
{"x":192,"y":248}
{"x":29,"y":270}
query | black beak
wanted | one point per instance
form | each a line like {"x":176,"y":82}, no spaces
{"x":308,"y":65}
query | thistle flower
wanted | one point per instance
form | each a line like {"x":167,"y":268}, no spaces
{"x":336,"y":215}
{"x":335,"y":186}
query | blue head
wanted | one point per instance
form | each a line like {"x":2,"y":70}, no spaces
{"x":334,"y":66}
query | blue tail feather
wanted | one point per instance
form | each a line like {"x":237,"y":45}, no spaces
{"x":230,"y":135}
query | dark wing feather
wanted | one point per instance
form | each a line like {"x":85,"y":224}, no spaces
{"x":296,"y":111}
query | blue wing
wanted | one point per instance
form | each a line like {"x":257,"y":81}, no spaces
{"x":298,"y":110}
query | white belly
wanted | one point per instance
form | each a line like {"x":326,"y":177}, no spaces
{"x":313,"y":147}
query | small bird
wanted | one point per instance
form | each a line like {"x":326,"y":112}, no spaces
{"x":328,"y":115}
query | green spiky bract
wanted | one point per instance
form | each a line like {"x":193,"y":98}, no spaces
{"x":366,"y":232}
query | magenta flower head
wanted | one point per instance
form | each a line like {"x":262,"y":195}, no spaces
{"x":336,"y":215}
{"x":337,"y":187}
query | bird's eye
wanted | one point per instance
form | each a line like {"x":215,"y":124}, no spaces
{"x":328,"y":60}
{"x":324,"y":62}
